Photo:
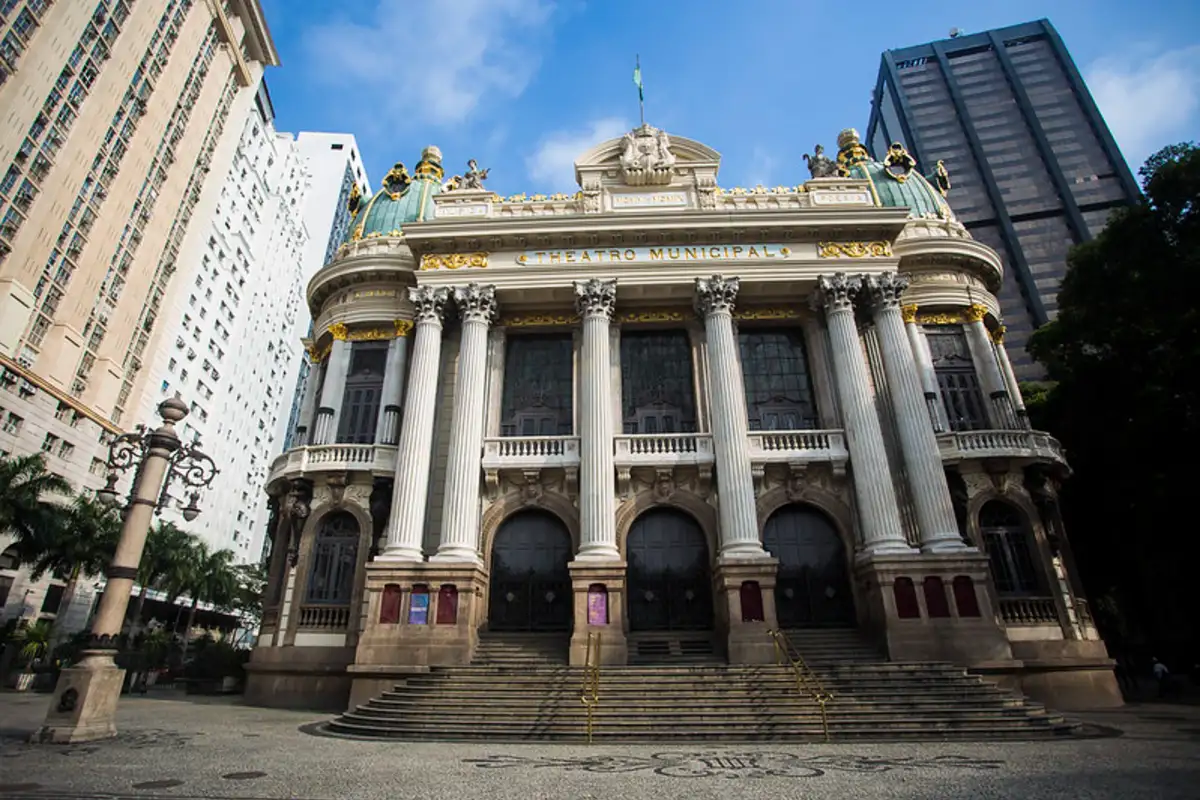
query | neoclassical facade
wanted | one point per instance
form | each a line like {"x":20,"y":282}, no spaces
{"x":672,"y":414}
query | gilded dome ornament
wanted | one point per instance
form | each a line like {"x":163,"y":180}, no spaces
{"x":899,"y":164}
{"x":397,"y":180}
{"x":850,"y":152}
{"x":355,"y":201}
{"x":941,"y":178}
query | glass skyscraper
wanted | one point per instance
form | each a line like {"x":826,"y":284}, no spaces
{"x":1033,"y":166}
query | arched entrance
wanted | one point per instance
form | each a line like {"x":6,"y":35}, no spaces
{"x":669,"y":583}
{"x":812,"y":588}
{"x":530,"y":583}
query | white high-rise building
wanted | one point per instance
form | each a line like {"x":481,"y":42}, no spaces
{"x":233,"y":355}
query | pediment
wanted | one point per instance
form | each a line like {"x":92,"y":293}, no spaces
{"x":607,"y":155}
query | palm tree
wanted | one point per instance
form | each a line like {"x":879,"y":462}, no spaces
{"x":205,"y":577}
{"x":80,"y":541}
{"x":27,"y":510}
{"x":164,"y":558}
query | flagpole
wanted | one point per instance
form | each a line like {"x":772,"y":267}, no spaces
{"x":641,"y":98}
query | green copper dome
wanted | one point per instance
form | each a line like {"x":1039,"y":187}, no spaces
{"x":402,"y":199}
{"x":896,"y":182}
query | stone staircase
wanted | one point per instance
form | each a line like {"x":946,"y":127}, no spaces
{"x":516,"y":692}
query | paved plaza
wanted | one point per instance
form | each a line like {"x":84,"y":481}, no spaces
{"x":174,"y":746}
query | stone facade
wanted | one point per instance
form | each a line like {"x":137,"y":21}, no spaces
{"x":659,"y":409}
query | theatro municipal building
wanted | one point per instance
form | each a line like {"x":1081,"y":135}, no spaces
{"x":667,"y":418}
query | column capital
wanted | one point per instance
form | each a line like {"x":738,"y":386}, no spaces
{"x":909,"y":313}
{"x":716,"y":294}
{"x":476,"y":303}
{"x":836,"y":292}
{"x":338,"y":331}
{"x":975,"y":312}
{"x":883,"y":291}
{"x":403,"y":327}
{"x":430,"y":302}
{"x":998,"y":334}
{"x":596,"y":298}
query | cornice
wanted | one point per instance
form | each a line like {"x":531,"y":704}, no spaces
{"x":966,"y":254}
{"x":391,"y":266}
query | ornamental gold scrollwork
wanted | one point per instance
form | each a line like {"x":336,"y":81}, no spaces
{"x":371,"y":335}
{"x":338,"y":331}
{"x":975,"y":313}
{"x":319,"y":354}
{"x":941,"y":318}
{"x":652,"y":316}
{"x":454,"y":261}
{"x":908,"y":313}
{"x":854,"y":249}
{"x":766,"y":313}
{"x":537,"y":320}
{"x":998,"y":334}
{"x":403,"y":327}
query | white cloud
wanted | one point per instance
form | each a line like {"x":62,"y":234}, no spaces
{"x":432,"y":61}
{"x":554,"y":160}
{"x":1149,"y":98}
{"x":762,"y":167}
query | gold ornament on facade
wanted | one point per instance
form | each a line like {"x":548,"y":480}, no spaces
{"x":854,"y":250}
{"x":538,"y":320}
{"x":338,"y":331}
{"x":371,"y":335}
{"x":908,"y":313}
{"x":454,"y":261}
{"x":942,"y":318}
{"x":998,"y":334}
{"x":652,"y":316}
{"x":766,"y":313}
{"x":403,"y":327}
{"x":975,"y":313}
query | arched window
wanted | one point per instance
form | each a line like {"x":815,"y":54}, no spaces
{"x":1006,"y":539}
{"x":334,"y":560}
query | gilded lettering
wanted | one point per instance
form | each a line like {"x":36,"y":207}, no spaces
{"x":630,"y":255}
{"x":767,"y":252}
{"x":614,"y":255}
{"x":555,"y":257}
{"x":599,"y":255}
{"x":539,"y":255}
{"x":727,"y":251}
{"x":570,"y":256}
{"x":737,"y":251}
{"x":583,"y":256}
{"x":753,"y":252}
{"x":689,"y":252}
{"x":673,"y":252}
{"x":714,"y":252}
{"x":656,"y":253}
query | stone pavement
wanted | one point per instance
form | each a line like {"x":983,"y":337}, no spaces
{"x":174,"y":746}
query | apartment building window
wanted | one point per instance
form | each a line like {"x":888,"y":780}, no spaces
{"x":12,"y":423}
{"x":49,"y":442}
{"x":65,"y":449}
{"x":63,"y":411}
{"x":97,"y":467}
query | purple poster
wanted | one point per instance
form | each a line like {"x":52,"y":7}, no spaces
{"x":418,"y":612}
{"x":597,"y":606}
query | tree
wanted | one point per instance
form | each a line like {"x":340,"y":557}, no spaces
{"x":205,"y":577}
{"x":80,"y":541}
{"x":1123,"y":354}
{"x":27,"y":504}
{"x":164,"y":559}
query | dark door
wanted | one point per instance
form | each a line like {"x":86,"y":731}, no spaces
{"x":812,"y":588}
{"x":670,"y":588}
{"x":530,"y":583}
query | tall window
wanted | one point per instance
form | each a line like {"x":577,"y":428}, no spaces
{"x":538,"y":378}
{"x":1006,"y":539}
{"x":334,"y":560}
{"x":657,"y":394}
{"x":779,"y":394}
{"x":956,"y":377}
{"x":360,"y":400}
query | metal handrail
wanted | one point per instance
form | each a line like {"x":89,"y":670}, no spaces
{"x":590,"y":695}
{"x":806,"y":680}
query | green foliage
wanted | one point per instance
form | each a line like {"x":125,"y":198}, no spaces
{"x":155,"y":646}
{"x":1123,"y":356}
{"x":165,"y":555}
{"x":80,"y":541}
{"x":27,"y":501}
{"x":34,"y":640}
{"x":213,"y":660}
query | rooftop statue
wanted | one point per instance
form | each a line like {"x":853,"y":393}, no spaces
{"x":646,"y":156}
{"x":940,"y":178}
{"x":472,"y":179}
{"x":819,"y":164}
{"x":355,"y":201}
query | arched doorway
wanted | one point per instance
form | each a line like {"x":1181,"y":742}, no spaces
{"x":812,"y":588}
{"x":669,"y":582}
{"x":530,"y":583}
{"x":1006,"y":540}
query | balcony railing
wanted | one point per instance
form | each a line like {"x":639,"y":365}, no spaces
{"x":792,"y":446}
{"x":529,"y":452}
{"x":662,"y":449}
{"x":324,"y":618}
{"x":379,"y":459}
{"x":1035,"y":445}
{"x":1029,"y":611}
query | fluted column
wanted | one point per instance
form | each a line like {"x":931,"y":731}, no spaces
{"x":738,"y":515}
{"x":879,"y":514}
{"x":460,"y":512}
{"x":334,"y":388}
{"x":406,"y":524}
{"x":387,"y":425}
{"x":924,"y":359}
{"x":595,"y":300}
{"x":918,"y":444}
{"x":1010,"y":376}
{"x":308,"y":406}
{"x":979,"y":341}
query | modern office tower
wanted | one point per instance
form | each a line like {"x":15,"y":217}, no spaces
{"x":1032,"y":164}
{"x":117,"y":116}
{"x":230,"y":349}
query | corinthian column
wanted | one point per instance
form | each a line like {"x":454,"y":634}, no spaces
{"x":595,"y":300}
{"x":920,"y":351}
{"x":334,"y":388}
{"x":460,"y":511}
{"x":979,"y":342}
{"x":918,"y":445}
{"x":388,"y":421}
{"x":878,"y":511}
{"x":407,"y":521}
{"x":738,"y":515}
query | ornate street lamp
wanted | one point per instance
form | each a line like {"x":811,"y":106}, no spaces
{"x":85,"y":701}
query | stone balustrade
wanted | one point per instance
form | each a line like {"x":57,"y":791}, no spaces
{"x":792,"y":446}
{"x":527,"y":452}
{"x":662,"y":449}
{"x":323,"y":618}
{"x":1016,"y":444}
{"x":1029,"y":611}
{"x":377,"y":459}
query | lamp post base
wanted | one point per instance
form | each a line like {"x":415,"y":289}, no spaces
{"x":84,"y":706}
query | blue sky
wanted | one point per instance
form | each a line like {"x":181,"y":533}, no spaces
{"x":525,"y":86}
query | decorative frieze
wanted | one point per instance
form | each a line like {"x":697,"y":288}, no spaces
{"x":478,"y":260}
{"x":537,"y":320}
{"x":854,"y":250}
